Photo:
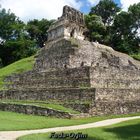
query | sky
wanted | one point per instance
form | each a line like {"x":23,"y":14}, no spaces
{"x":52,"y":9}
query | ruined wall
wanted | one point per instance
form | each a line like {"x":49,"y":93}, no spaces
{"x":73,"y":15}
{"x":116,"y":101}
{"x":60,"y":95}
{"x":73,"y":53}
{"x":56,"y":30}
{"x":34,"y":110}
{"x":70,"y":24}
{"x":101,"y":56}
{"x":62,"y":78}
{"x":54,"y":55}
{"x":114,"y":77}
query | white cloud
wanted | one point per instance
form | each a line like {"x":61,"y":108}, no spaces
{"x":127,"y":3}
{"x":38,"y":9}
{"x":93,"y":2}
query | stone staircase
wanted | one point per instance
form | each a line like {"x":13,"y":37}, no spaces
{"x":61,"y":85}
{"x":66,"y":87}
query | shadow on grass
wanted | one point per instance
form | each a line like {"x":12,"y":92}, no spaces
{"x":129,"y":132}
{"x":89,"y":138}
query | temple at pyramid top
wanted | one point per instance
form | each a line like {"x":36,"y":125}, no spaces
{"x":70,"y":25}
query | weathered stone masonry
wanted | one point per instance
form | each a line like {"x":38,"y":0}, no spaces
{"x":35,"y":110}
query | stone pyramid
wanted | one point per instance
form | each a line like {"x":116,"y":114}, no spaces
{"x":86,"y":76}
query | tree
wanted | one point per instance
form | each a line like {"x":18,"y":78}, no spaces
{"x":15,"y":43}
{"x":121,"y":29}
{"x":96,"y":28}
{"x":134,"y":12}
{"x":107,"y":9}
{"x":38,"y":30}
{"x":125,"y":30}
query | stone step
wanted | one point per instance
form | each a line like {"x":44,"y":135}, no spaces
{"x":50,"y":83}
{"x":115,"y":107}
{"x":57,"y":94}
{"x":98,"y":100}
{"x":77,"y":82}
{"x":113,"y":73}
{"x":115,"y":83}
{"x":75,"y":77}
{"x":112,"y":94}
{"x":115,"y":101}
{"x":72,"y":94}
{"x":72,"y":73}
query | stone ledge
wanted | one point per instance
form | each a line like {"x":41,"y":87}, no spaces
{"x":115,"y":107}
{"x":68,"y":94}
{"x":34,"y":110}
{"x":40,"y":111}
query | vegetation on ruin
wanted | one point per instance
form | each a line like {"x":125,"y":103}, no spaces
{"x":136,"y":56}
{"x":128,"y":130}
{"x":22,"y":65}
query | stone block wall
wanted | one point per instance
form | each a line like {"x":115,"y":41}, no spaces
{"x":34,"y":110}
{"x":64,"y":78}
{"x":114,"y":77}
{"x":70,"y":24}
{"x":73,"y":53}
{"x":54,"y":55}
{"x":60,"y":95}
{"x":115,"y":101}
{"x":81,"y":107}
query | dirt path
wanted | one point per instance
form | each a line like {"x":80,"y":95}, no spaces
{"x":13,"y":135}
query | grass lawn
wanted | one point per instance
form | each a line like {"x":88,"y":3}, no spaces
{"x":128,"y":130}
{"x":17,"y":67}
{"x":15,"y":121}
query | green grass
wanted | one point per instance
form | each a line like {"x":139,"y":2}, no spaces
{"x":136,"y":56}
{"x":16,"y":121}
{"x":41,"y":104}
{"x":17,"y":67}
{"x":128,"y":130}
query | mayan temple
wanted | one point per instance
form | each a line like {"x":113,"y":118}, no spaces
{"x":86,"y":76}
